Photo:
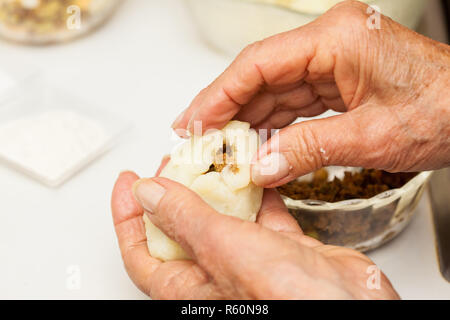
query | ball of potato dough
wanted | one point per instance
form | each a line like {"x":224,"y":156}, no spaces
{"x":217,"y":167}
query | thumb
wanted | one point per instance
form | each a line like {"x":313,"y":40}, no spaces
{"x":183,"y":216}
{"x":360,"y":138}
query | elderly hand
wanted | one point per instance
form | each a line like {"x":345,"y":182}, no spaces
{"x":232,"y":259}
{"x":391,"y":85}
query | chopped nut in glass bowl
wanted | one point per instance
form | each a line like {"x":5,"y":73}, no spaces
{"x":50,"y":21}
{"x":353,"y":207}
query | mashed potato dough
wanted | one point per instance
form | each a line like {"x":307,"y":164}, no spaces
{"x":217,"y":167}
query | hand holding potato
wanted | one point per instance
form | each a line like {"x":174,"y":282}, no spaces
{"x":232,"y":259}
{"x":391,"y":85}
{"x":395,"y":108}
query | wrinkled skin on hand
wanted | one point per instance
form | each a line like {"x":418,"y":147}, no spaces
{"x":392,"y":85}
{"x":232,"y":258}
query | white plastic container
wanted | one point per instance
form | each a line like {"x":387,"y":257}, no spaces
{"x":230,"y":25}
{"x":50,"y":135}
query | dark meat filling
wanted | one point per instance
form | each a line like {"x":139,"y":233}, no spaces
{"x":360,"y":185}
{"x":355,"y":226}
{"x":222,"y":158}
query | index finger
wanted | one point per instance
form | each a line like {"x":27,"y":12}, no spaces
{"x":275,"y":62}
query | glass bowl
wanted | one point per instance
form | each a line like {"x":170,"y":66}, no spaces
{"x":39,"y":22}
{"x":360,"y":224}
{"x":230,"y":25}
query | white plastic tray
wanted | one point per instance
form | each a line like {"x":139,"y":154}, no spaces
{"x":35,"y":99}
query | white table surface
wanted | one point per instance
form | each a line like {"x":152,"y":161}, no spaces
{"x":146,"y":64}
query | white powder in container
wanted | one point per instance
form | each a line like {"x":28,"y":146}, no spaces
{"x":51,"y":145}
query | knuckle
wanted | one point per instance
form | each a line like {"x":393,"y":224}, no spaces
{"x":218,"y":244}
{"x":170,"y":213}
{"x":250,"y":50}
{"x":171,"y":285}
{"x":209,"y":239}
{"x":162,"y":291}
{"x":351,"y":6}
{"x":203,"y":92}
{"x":245,"y":52}
{"x":348,"y":13}
{"x":305,"y":149}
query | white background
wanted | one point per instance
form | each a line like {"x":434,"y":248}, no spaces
{"x":146,"y":65}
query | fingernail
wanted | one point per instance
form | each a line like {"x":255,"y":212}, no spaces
{"x":178,"y":120}
{"x":270,"y":169}
{"x":148,"y":193}
{"x":182,"y":133}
